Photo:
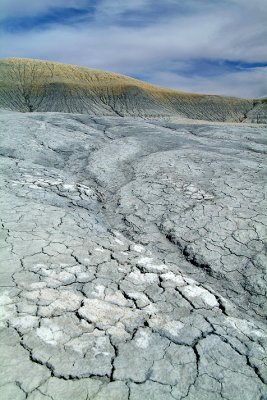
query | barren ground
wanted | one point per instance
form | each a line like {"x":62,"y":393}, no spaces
{"x":132,"y":259}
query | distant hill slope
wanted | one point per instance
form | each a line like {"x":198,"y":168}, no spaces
{"x":34,"y":85}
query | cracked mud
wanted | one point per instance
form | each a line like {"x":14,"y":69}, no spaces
{"x":132,"y":259}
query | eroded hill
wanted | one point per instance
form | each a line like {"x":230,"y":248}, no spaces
{"x":33,"y":85}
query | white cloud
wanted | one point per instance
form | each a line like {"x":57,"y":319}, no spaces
{"x":111,"y":9}
{"x":244,"y":83}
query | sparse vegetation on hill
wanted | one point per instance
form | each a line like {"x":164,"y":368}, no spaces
{"x":32,"y":85}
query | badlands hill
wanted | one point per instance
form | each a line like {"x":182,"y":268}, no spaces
{"x":33,"y":85}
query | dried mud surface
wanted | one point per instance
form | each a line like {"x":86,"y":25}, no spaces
{"x":132,"y":259}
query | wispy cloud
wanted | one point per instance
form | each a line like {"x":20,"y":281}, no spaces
{"x":246,"y":82}
{"x":205,"y":46}
{"x":28,"y":8}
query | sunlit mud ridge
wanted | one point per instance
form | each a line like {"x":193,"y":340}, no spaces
{"x":132,"y":259}
{"x":32,"y":85}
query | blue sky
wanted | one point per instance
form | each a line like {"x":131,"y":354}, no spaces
{"x":206,"y":46}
